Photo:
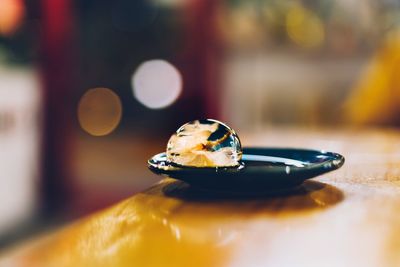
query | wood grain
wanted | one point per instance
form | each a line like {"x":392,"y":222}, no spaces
{"x":350,"y":217}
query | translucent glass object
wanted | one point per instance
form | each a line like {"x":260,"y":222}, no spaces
{"x":204,"y":143}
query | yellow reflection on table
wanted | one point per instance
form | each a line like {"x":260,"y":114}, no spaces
{"x":172,"y":224}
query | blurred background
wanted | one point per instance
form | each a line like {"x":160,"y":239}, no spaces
{"x":90,"y":89}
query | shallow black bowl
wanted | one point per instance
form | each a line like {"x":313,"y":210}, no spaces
{"x":261,"y":170}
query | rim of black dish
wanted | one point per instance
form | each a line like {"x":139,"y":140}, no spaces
{"x":300,"y":159}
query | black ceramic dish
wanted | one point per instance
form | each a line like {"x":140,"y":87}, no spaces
{"x":261,"y":170}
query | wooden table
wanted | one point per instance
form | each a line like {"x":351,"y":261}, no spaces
{"x":350,"y":217}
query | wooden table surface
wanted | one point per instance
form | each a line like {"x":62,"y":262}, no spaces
{"x":350,"y":217}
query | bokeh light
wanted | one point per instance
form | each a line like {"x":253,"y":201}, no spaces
{"x":11,"y":15}
{"x":99,"y":111}
{"x":304,"y":27}
{"x":156,"y":84}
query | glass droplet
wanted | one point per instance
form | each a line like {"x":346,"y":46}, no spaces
{"x":204,"y":143}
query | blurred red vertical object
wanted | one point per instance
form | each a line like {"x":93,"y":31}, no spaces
{"x":57,"y":54}
{"x":201,"y":57}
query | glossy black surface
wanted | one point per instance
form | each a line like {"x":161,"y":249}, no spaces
{"x":261,"y":170}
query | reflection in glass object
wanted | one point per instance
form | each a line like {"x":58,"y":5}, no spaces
{"x":204,"y":143}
